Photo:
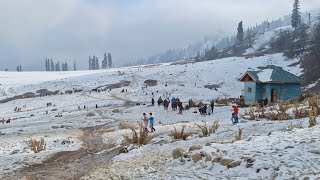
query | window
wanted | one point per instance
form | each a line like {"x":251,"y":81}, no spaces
{"x":264,"y":90}
{"x":284,"y":91}
{"x":249,"y":89}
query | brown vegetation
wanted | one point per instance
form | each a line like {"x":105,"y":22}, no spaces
{"x":180,"y":135}
{"x":208,"y":130}
{"x":239,"y":134}
{"x":36,"y":145}
{"x":141,"y":139}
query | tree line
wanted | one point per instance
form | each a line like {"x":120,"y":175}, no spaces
{"x":106,"y":62}
{"x":50,"y":65}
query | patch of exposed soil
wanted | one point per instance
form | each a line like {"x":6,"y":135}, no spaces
{"x":151,"y":82}
{"x":71,"y":164}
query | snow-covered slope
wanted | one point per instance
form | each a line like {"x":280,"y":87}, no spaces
{"x":171,"y":78}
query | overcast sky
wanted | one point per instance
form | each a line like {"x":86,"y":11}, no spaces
{"x":67,"y":30}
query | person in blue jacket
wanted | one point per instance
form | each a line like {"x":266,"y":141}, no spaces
{"x":151,"y":120}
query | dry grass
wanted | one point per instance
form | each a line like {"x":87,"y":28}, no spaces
{"x":294,"y":126}
{"x":299,"y":112}
{"x":239,"y":134}
{"x":208,"y":130}
{"x":222,"y":101}
{"x":180,"y":134}
{"x":37,"y":145}
{"x":141,"y":138}
{"x":313,"y":118}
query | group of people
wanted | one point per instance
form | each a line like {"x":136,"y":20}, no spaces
{"x":207,"y":109}
{"x":149,"y":120}
{"x":176,"y":104}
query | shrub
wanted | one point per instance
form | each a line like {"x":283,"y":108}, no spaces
{"x":294,"y":126}
{"x":142,"y":139}
{"x":208,"y":130}
{"x":180,"y":135}
{"x":313,"y":118}
{"x":36,"y":145}
{"x":299,"y":112}
{"x":239,"y":134}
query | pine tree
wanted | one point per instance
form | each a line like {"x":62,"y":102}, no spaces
{"x":46,"y":64}
{"x":296,"y":15}
{"x":240,"y":33}
{"x":74,"y":65}
{"x":109,"y":60}
{"x":104,"y":61}
{"x":97,"y":63}
{"x":90,"y":63}
{"x":93,"y":63}
{"x":19,"y":68}
{"x":52,"y":65}
{"x":57,"y":68}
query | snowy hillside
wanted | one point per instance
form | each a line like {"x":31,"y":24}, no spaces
{"x":223,"y":73}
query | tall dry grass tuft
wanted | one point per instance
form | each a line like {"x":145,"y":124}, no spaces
{"x":208,"y":130}
{"x":239,"y":134}
{"x":141,"y":138}
{"x":313,"y":118}
{"x":299,"y":112}
{"x":180,"y":135}
{"x":36,"y":145}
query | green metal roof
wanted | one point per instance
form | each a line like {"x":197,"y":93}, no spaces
{"x":277,"y":74}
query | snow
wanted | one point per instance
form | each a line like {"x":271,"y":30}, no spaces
{"x":265,"y":75}
{"x":154,"y":160}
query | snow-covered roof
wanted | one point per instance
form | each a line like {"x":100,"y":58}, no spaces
{"x":272,"y":74}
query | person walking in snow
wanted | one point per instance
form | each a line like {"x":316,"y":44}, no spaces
{"x":212,"y":106}
{"x":160,"y":101}
{"x":180,"y":106}
{"x":151,"y":119}
{"x":145,"y":122}
{"x":235,"y":118}
{"x":152,"y":102}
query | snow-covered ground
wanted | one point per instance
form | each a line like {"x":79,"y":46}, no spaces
{"x":36,"y":120}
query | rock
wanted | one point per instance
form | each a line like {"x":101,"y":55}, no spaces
{"x":208,"y":157}
{"x":234,"y":164}
{"x":90,"y":114}
{"x":249,"y":165}
{"x":177,"y":153}
{"x":194,"y":147}
{"x":196,"y":157}
{"x":315,"y":151}
{"x":306,"y":178}
{"x":250,"y":138}
{"x":250,"y":160}
{"x":226,"y":162}
{"x":217,"y":160}
{"x":14,"y":152}
{"x":116,"y":111}
{"x":208,"y":144}
{"x":289,"y":147}
{"x":123,"y":150}
{"x":258,"y":170}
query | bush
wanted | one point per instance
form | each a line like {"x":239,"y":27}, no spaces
{"x":313,"y":118}
{"x":142,"y":139}
{"x":36,"y":145}
{"x":180,"y":135}
{"x":239,"y":134}
{"x":207,"y":130}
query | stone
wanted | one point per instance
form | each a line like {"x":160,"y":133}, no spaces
{"x":208,"y":157}
{"x":196,"y":157}
{"x":315,"y":151}
{"x":194,"y":147}
{"x":234,"y":164}
{"x":251,"y":160}
{"x":289,"y":147}
{"x":225,"y":161}
{"x":177,"y":153}
{"x":208,"y":144}
{"x":250,"y":138}
{"x":217,"y":160}
{"x":249,"y":165}
{"x":306,"y":178}
{"x":116,"y":111}
{"x":14,"y":152}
